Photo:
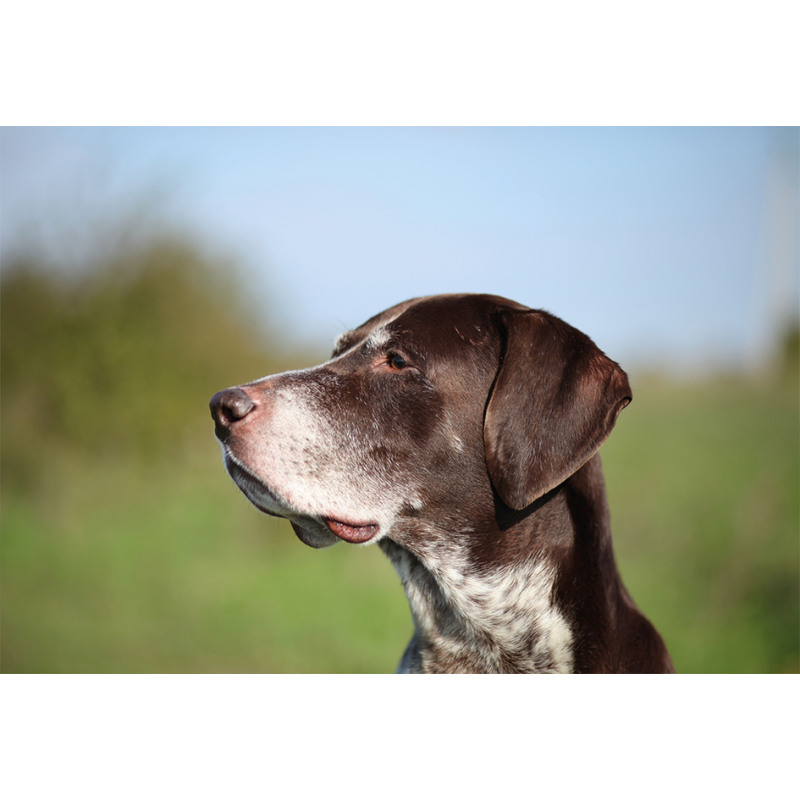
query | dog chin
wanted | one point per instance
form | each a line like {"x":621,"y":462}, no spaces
{"x":254,"y":489}
{"x":313,"y":533}
{"x":309,"y":531}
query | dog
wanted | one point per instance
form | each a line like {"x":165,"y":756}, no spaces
{"x":460,"y":434}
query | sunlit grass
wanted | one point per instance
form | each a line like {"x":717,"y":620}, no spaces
{"x":131,"y":572}
{"x":703,"y":485}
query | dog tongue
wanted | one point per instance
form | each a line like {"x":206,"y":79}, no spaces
{"x":356,"y":534}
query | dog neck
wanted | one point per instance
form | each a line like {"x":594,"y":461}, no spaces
{"x":504,"y":621}
{"x":489,"y":600}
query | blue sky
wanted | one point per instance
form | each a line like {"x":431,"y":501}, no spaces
{"x":669,"y":246}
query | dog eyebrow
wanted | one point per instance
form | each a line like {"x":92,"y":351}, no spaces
{"x":378,"y":338}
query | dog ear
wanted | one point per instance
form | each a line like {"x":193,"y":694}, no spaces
{"x":554,"y":401}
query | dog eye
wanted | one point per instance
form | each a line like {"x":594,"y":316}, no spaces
{"x":396,"y":361}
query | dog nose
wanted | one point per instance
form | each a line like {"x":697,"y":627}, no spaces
{"x":227,"y":407}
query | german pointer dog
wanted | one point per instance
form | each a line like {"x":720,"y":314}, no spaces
{"x":459,"y":433}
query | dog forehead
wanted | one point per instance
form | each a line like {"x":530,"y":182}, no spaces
{"x":430,"y":321}
{"x":446,"y":313}
{"x":357,"y":335}
{"x":448,"y":327}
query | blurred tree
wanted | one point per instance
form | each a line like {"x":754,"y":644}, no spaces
{"x":789,"y":351}
{"x":121,"y":358}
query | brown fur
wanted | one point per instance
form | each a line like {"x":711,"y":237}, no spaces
{"x":461,"y":433}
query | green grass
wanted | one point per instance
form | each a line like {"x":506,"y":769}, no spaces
{"x":175,"y":572}
{"x":703,"y":486}
{"x":122,"y":565}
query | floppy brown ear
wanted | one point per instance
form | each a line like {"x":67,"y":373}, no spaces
{"x":554,"y":402}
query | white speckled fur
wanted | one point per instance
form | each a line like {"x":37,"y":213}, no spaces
{"x":503,"y":621}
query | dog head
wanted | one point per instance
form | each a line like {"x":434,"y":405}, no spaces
{"x":421,"y":415}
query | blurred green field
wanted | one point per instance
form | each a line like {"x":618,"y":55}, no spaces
{"x":126,"y":548}
{"x":703,"y":483}
{"x":170,"y":571}
{"x":166,"y":568}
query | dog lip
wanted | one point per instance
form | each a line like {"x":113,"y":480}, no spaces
{"x":355,"y":534}
{"x":259,"y":494}
{"x":255,"y":490}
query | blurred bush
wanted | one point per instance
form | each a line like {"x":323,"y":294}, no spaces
{"x":118,"y":359}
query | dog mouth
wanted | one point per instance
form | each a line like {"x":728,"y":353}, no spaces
{"x":268,"y":502}
{"x":253,"y":489}
{"x":355,"y":534}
